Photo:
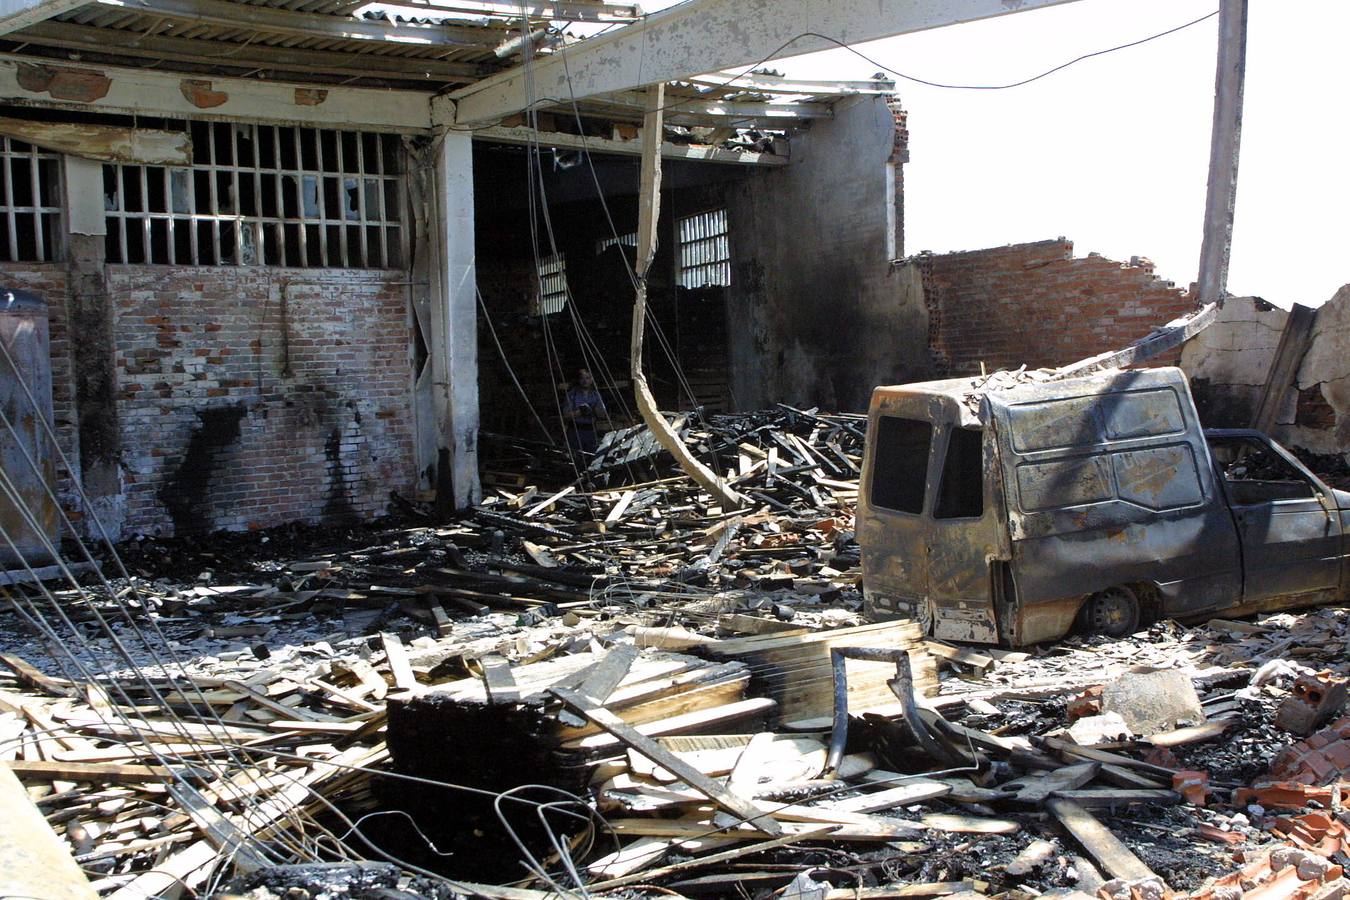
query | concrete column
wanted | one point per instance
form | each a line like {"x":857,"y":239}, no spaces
{"x":454,"y":321}
{"x":93,"y":346}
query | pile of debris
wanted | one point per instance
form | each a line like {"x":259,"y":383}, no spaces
{"x":613,"y":685}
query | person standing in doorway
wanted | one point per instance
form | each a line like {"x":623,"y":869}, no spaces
{"x":582,"y":407}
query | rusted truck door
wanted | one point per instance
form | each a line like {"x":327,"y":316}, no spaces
{"x":1288,"y":523}
{"x":963,"y":532}
{"x":894,"y":490}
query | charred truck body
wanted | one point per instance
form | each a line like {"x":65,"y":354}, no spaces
{"x":1007,"y":514}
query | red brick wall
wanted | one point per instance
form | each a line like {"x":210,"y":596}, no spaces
{"x":48,"y":280}
{"x":1035,"y":304}
{"x":237,"y":413}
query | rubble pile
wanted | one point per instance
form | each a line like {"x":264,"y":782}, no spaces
{"x":612,"y":685}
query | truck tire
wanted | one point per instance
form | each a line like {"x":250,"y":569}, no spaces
{"x":1114,"y":612}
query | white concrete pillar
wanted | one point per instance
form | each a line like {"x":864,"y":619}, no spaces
{"x":454,"y":350}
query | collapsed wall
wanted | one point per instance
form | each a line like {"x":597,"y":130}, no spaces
{"x":1228,"y":364}
{"x":1037,"y":305}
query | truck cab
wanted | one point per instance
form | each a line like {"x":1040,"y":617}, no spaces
{"x":1011,"y":508}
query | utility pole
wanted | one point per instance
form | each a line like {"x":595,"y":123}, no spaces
{"x":1223,"y":152}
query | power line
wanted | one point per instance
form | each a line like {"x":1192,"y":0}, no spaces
{"x":907,"y":77}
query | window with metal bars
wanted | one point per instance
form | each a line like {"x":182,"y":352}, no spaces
{"x":626,"y":240}
{"x":552,"y":285}
{"x":262,"y":195}
{"x":30,"y":203}
{"x":704,"y":251}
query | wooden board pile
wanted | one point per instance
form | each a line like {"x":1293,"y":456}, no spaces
{"x":665,"y":661}
{"x":152,"y":791}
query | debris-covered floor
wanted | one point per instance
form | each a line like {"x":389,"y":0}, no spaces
{"x":614,"y":687}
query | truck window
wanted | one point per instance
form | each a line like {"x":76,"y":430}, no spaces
{"x":1253,"y":473}
{"x":900,"y":463}
{"x":962,"y":493}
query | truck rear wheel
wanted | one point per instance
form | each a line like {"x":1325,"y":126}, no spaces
{"x":1114,"y":612}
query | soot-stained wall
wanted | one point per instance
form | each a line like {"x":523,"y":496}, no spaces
{"x":253,"y":397}
{"x":817,"y":316}
{"x":49,"y":281}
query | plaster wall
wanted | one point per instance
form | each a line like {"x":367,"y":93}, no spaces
{"x":1228,"y":363}
{"x":816,"y":314}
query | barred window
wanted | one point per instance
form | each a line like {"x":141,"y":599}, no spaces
{"x":30,"y":203}
{"x":704,"y":252}
{"x":552,"y":285}
{"x":625,"y":240}
{"x":262,"y":195}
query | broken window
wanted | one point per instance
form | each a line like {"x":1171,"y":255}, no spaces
{"x":625,"y":240}
{"x":262,"y":195}
{"x":961,"y":495}
{"x":900,"y":463}
{"x":1254,"y":473}
{"x":30,"y":203}
{"x":552,"y":285}
{"x":704,"y":250}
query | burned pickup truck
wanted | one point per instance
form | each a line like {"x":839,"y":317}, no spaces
{"x":1008,"y":510}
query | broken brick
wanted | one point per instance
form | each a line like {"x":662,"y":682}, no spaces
{"x":1192,"y":785}
{"x":1313,"y":700}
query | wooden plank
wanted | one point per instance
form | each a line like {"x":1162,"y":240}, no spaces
{"x":497,"y":678}
{"x":956,"y":824}
{"x":1107,"y":849}
{"x":758,"y":625}
{"x":620,"y":508}
{"x":1294,"y":342}
{"x":715,"y":858}
{"x":229,"y":840}
{"x":1065,"y":779}
{"x":914,"y":792}
{"x":34,"y":862}
{"x":399,"y":666}
{"x":1194,"y":734}
{"x":29,"y":676}
{"x":699,"y":719}
{"x":99,"y":773}
{"x":346,"y":696}
{"x":371,"y":682}
{"x":966,"y":657}
{"x":603,"y":677}
{"x":545,"y":504}
{"x":649,"y":748}
{"x":1100,"y":798}
{"x":541,"y":555}
{"x":168,"y":877}
{"x":444,"y":627}
{"x":756,"y":756}
{"x":686,"y":829}
{"x":267,"y":702}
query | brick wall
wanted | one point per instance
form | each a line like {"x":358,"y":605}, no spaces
{"x":252,"y":397}
{"x":48,"y":280}
{"x":1035,"y":304}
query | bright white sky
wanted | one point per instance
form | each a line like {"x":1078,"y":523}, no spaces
{"x":1113,"y":152}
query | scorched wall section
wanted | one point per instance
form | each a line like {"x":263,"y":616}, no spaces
{"x":816,"y":315}
{"x":252,"y":397}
